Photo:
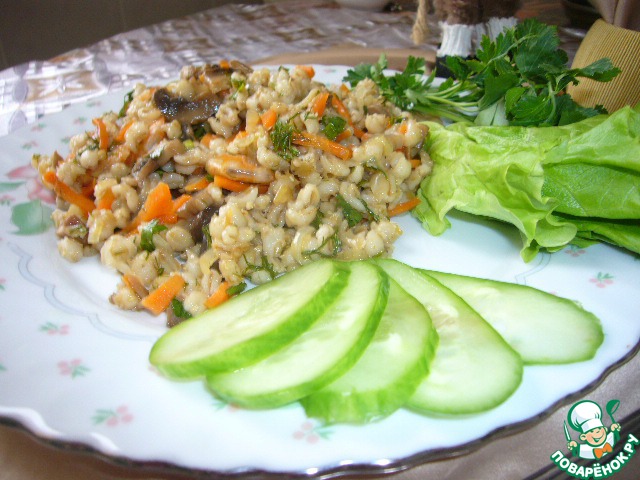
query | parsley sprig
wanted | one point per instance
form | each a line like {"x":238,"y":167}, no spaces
{"x":520,"y":78}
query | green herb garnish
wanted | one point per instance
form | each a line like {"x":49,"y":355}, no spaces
{"x":281,"y":138}
{"x":127,"y":101}
{"x":333,"y":126}
{"x":201,"y":129}
{"x":352,"y":215}
{"x":264,"y":266}
{"x":147,"y":233}
{"x":236,"y":289}
{"x":373,"y":215}
{"x":520,"y":78}
{"x":335,"y":250}
{"x":178,"y":309}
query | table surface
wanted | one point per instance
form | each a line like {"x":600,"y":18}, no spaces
{"x":263,"y":34}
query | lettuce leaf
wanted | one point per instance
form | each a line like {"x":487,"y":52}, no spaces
{"x":577,"y":183}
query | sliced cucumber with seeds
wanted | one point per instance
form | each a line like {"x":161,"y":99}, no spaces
{"x":321,"y":354}
{"x":389,"y":371}
{"x":541,"y":327}
{"x":251,"y":326}
{"x":474,"y":368}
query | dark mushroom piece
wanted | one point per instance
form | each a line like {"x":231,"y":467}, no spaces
{"x":146,"y":165}
{"x":75,"y":228}
{"x":189,"y":112}
{"x":198,"y":223}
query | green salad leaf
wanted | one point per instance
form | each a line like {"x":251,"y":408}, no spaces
{"x":577,"y":183}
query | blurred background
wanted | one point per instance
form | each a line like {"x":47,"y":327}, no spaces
{"x":42,"y":29}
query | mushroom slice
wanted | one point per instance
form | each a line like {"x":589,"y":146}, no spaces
{"x":240,"y":168}
{"x":215,"y":76}
{"x":188,"y":112}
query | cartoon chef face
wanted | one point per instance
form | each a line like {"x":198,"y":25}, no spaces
{"x":595,"y":437}
{"x":586,"y":417}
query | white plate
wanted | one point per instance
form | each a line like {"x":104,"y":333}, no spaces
{"x":74,"y":369}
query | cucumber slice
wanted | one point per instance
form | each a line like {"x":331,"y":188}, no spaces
{"x":541,"y":327}
{"x":251,"y":326}
{"x":321,"y":354}
{"x":389,"y":371}
{"x":474,"y":369}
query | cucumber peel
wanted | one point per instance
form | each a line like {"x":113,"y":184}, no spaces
{"x":355,"y":341}
{"x":474,"y":369}
{"x":322,"y":353}
{"x":389,"y":371}
{"x":251,"y":326}
{"x":543,"y":328}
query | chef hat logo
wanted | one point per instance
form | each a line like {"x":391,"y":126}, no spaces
{"x":585,"y":416}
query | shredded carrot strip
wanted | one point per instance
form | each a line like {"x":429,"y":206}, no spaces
{"x":307,"y":139}
{"x":168,"y":218}
{"x":320,"y":104}
{"x":123,"y":131}
{"x":404,"y":207}
{"x":106,"y":201}
{"x":68,"y":194}
{"x":88,"y":187}
{"x":308,"y":69}
{"x":344,"y":112}
{"x":225,"y":64}
{"x":343,"y":136}
{"x":403,"y":128}
{"x":159,"y":299}
{"x":159,"y":202}
{"x":239,"y":135}
{"x":344,"y":89}
{"x":341,"y":108}
{"x":269,"y":119}
{"x":180,"y":201}
{"x":103,"y":135}
{"x":415,"y":163}
{"x":197,"y":185}
{"x":226,"y":183}
{"x":219,"y":296}
{"x":207,"y":139}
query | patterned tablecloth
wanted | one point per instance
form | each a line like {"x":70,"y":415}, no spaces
{"x":243,"y":32}
{"x":247,"y":33}
{"x":310,"y":31}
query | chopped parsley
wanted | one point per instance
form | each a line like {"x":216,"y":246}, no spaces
{"x":264,"y":266}
{"x":147,"y":233}
{"x":201,"y":129}
{"x":373,"y":215}
{"x":127,"y":101}
{"x":178,"y":309}
{"x":335,"y":250}
{"x":352,"y":215}
{"x":236,"y":289}
{"x":239,"y":85}
{"x":333,"y":126}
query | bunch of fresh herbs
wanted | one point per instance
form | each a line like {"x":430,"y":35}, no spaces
{"x":520,"y":78}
